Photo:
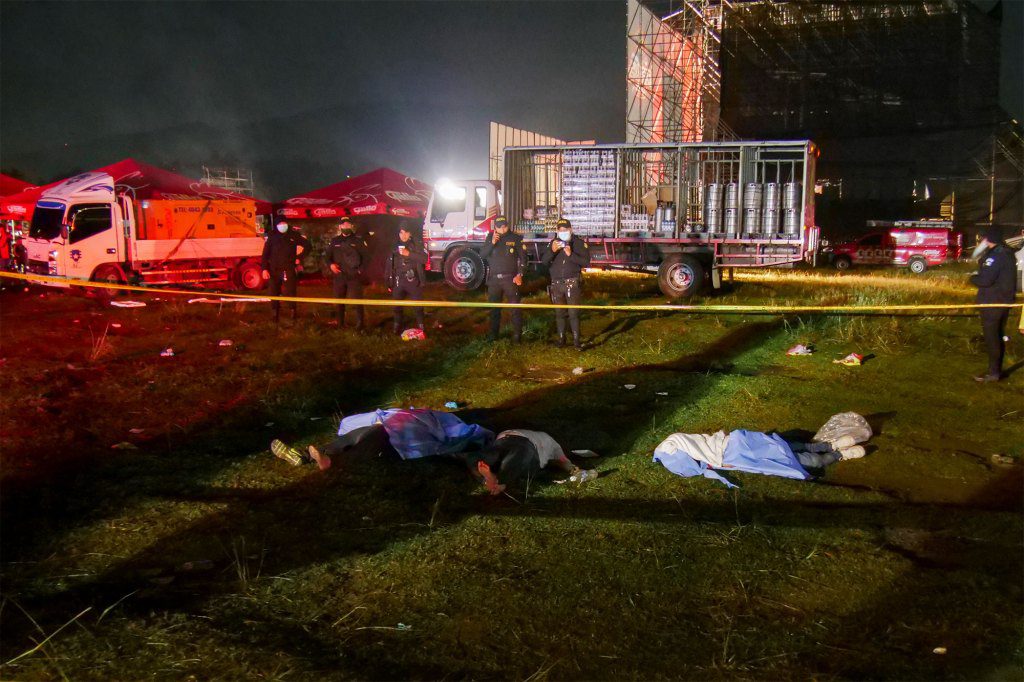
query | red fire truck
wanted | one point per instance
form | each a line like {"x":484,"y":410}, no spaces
{"x":914,"y":244}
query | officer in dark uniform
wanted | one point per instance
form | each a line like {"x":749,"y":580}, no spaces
{"x":346,"y":256}
{"x":404,"y":274}
{"x":506,"y":259}
{"x":280,"y":254}
{"x":995,"y":282}
{"x":566,"y":257}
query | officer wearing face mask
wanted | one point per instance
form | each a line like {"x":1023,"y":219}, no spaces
{"x":506,"y":259}
{"x":346,"y":256}
{"x":280,"y":254}
{"x":404,"y":274}
{"x":996,"y":272}
{"x":566,"y":256}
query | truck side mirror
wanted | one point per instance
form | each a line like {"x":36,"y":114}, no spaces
{"x":65,"y":230}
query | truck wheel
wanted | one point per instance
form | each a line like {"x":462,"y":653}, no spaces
{"x":917,"y":265}
{"x":680,"y":276}
{"x":111,"y":274}
{"x":249,"y":276}
{"x":842,"y":263}
{"x":464,"y":269}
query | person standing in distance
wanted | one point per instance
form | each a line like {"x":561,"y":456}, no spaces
{"x":280,"y":254}
{"x":506,"y":259}
{"x":405,"y":276}
{"x":346,"y":256}
{"x":994,"y":279}
{"x":566,"y":257}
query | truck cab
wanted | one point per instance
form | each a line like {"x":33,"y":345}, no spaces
{"x":76,"y":228}
{"x":459,"y":216}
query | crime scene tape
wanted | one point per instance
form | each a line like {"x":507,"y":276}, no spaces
{"x":391,"y":303}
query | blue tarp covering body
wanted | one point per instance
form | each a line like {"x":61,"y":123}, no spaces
{"x":422,"y":433}
{"x":750,"y":451}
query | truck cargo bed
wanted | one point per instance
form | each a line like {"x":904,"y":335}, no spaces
{"x":197,"y":249}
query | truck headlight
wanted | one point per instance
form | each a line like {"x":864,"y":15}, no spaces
{"x":53,"y":255}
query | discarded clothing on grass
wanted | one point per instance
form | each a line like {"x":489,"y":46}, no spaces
{"x":847,"y":424}
{"x":420,"y":433}
{"x":696,"y":454}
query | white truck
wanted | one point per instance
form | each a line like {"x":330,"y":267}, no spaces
{"x":685,"y":211}
{"x":84,"y":229}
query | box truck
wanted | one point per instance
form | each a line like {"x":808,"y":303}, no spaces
{"x":83,"y":229}
{"x":684,"y":211}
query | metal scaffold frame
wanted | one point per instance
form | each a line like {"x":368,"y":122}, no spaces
{"x":672,"y":74}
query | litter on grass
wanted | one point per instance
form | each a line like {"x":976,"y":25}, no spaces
{"x":225,"y":342}
{"x":167,"y":353}
{"x":851,"y":360}
{"x":800,"y":349}
{"x":413,"y":335}
{"x":585,"y":453}
{"x":128,"y":304}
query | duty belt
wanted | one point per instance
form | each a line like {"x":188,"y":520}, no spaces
{"x":565,"y":279}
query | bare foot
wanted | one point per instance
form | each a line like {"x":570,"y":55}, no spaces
{"x":490,"y":480}
{"x":322,"y":461}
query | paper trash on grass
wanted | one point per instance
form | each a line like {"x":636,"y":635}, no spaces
{"x":661,"y":393}
{"x":851,"y":360}
{"x":800,"y":349}
{"x":585,"y":453}
{"x":136,"y":431}
{"x":124,"y":445}
{"x":167,"y":353}
{"x":225,"y":342}
{"x":128,"y":304}
{"x":413,"y":334}
{"x":629,"y":387}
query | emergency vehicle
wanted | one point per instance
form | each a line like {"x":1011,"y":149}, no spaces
{"x":915,"y":245}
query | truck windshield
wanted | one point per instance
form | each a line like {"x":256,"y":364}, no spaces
{"x":453,"y":200}
{"x":46,"y":223}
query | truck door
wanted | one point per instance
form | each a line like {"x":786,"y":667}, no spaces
{"x":485,"y":209}
{"x":92,"y":240}
{"x":870,"y":250}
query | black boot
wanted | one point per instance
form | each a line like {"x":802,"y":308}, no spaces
{"x":576,"y":342}
{"x":561,"y":341}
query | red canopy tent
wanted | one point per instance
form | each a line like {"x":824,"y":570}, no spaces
{"x":9,"y":185}
{"x":379,"y":192}
{"x":140,"y":180}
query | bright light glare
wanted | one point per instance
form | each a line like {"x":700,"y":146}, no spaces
{"x":449,"y":190}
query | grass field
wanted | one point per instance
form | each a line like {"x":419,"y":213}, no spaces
{"x":147,"y":531}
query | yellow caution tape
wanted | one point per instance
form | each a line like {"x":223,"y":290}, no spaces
{"x":667,"y":307}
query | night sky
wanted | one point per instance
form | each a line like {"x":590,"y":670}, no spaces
{"x":306,"y":93}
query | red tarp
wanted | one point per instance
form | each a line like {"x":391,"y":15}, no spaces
{"x":9,"y":185}
{"x":379,"y":192}
{"x":141,"y":181}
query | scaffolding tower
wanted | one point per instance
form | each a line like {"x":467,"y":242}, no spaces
{"x":773,"y":69}
{"x":238,"y":180}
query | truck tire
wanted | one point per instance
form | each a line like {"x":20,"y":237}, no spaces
{"x":249,"y":276}
{"x":917,"y":265}
{"x":464,"y":269}
{"x":107,"y":273}
{"x":842,"y":263}
{"x":680,"y":276}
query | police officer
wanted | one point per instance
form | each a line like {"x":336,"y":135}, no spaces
{"x":404,"y":274}
{"x":346,"y":256}
{"x":280,"y":254}
{"x":566,"y":256}
{"x":995,"y":282}
{"x":506,"y":260}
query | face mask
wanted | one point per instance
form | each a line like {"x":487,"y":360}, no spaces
{"x":979,"y":249}
{"x":564,"y":236}
{"x":282,"y":228}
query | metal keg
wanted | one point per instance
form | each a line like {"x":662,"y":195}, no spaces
{"x":732,"y":208}
{"x":770,"y":216}
{"x":791,"y":208}
{"x":713,"y":207}
{"x":752,"y":198}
